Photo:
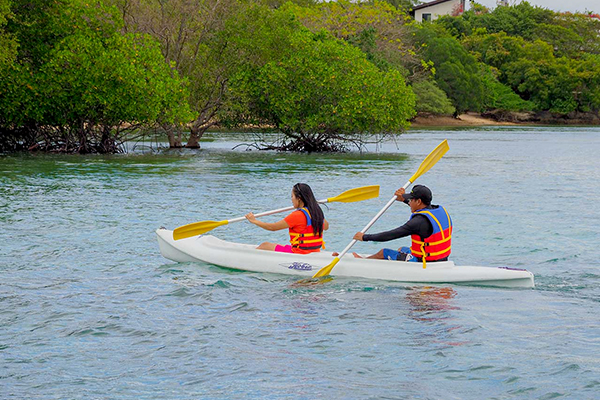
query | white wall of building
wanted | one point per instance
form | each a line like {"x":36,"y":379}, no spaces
{"x":437,"y":10}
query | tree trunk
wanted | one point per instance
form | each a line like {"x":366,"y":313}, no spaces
{"x":107,"y":142}
{"x":194,"y":140}
{"x":83,"y":141}
{"x":174,"y":136}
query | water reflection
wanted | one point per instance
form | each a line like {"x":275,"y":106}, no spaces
{"x":433,"y":306}
{"x":430,"y":303}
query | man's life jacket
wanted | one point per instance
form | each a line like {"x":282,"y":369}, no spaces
{"x":306,"y":241}
{"x":438,"y":245}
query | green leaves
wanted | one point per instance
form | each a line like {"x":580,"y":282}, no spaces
{"x":544,"y":57}
{"x":323,"y":89}
{"x":431,"y":99}
{"x":86,"y":80}
{"x":119,"y":79}
{"x":456,"y":71}
{"x":8,"y":46}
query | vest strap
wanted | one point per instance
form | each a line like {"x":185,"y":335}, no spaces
{"x":435,"y":219}
{"x":300,"y":240}
{"x":310,"y":247}
{"x":434,"y":243}
{"x":426,"y":254}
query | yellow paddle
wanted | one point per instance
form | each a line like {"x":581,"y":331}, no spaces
{"x":349,"y":196}
{"x":425,"y":166}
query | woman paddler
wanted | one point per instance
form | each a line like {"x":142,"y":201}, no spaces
{"x":306,"y":224}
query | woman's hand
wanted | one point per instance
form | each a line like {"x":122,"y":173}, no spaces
{"x":270,"y":226}
{"x":359,"y":236}
{"x":250,"y":217}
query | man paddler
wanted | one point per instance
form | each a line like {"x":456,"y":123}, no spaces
{"x":429,"y":226}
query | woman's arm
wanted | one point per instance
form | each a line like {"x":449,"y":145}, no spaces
{"x":270,"y":226}
{"x":325,"y":225}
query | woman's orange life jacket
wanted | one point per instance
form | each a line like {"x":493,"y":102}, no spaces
{"x":438,"y":245}
{"x":306,"y":241}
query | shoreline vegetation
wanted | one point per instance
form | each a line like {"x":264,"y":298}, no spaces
{"x":81,"y":78}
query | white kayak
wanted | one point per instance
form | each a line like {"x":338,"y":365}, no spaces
{"x":246,"y":257}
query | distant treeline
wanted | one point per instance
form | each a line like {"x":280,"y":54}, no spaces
{"x":83,"y":76}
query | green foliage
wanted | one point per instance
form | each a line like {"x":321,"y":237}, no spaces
{"x":562,"y":85}
{"x":4,"y":11}
{"x":477,"y":8}
{"x":519,"y":20}
{"x":579,"y":27}
{"x":366,"y":40}
{"x":87,"y":79}
{"x":195,"y":39}
{"x":36,"y":28}
{"x":501,"y":97}
{"x":456,"y":71}
{"x":223,"y":45}
{"x":404,"y":5}
{"x":587,"y":74}
{"x":279,"y":3}
{"x":8,"y":46}
{"x":531,"y":70}
{"x":498,"y":49}
{"x":458,"y":26}
{"x":319,"y":91}
{"x":566,"y":41}
{"x":73,"y":74}
{"x":545,"y":57}
{"x":431,"y":99}
{"x":376,"y":27}
{"x":569,"y":34}
{"x":109,"y":82}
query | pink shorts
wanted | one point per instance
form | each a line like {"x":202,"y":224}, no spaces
{"x":284,"y":249}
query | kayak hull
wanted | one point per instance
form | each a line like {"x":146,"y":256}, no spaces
{"x":245,"y":257}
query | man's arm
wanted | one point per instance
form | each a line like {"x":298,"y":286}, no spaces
{"x":418,"y":225}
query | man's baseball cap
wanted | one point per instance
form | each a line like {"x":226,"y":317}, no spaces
{"x":419,"y":192}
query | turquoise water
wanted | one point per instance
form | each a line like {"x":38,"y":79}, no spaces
{"x":90,"y":310}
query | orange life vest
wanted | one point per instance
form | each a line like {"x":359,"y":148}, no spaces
{"x":306,"y":241}
{"x":438,"y":245}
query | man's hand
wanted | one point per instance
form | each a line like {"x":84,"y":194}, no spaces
{"x":399,"y":194}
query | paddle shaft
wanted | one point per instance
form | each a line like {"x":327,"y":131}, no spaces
{"x":280,"y":210}
{"x":349,"y":196}
{"x":370,"y":224}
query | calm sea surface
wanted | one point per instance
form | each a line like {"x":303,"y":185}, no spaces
{"x":90,"y":310}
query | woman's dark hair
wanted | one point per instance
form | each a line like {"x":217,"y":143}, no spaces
{"x":305,"y":193}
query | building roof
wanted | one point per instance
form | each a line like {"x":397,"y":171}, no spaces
{"x":431,"y":3}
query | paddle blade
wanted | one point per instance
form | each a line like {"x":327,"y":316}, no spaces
{"x":431,"y":159}
{"x":312,"y":281}
{"x":197,"y":228}
{"x":358,"y":194}
{"x":326,"y":270}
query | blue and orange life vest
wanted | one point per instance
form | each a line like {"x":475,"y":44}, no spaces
{"x":438,"y":245}
{"x":306,"y":241}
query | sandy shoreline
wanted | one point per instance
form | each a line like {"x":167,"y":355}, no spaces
{"x":468,"y":119}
